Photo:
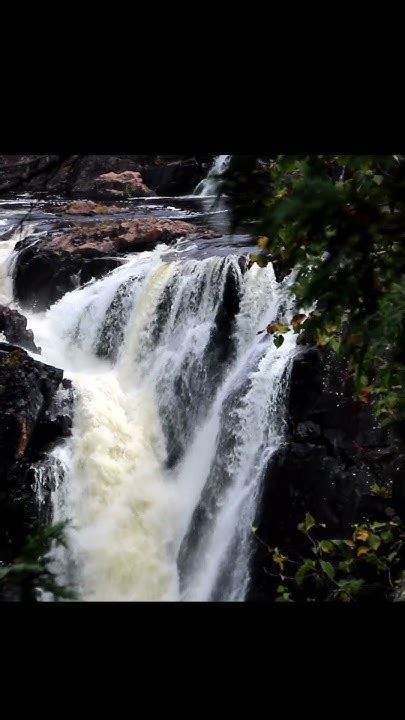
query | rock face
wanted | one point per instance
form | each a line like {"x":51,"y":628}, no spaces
{"x":19,"y":170}
{"x":175,"y":178}
{"x":67,"y":258}
{"x":77,"y":174}
{"x":32,"y":417}
{"x":334,"y":452}
{"x":80,"y":174}
{"x":13,"y":326}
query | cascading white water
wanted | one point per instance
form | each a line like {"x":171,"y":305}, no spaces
{"x":248,"y":417}
{"x":179,"y":405}
{"x":7,"y":258}
{"x":208,"y":186}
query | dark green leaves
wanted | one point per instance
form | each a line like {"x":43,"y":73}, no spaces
{"x":306,"y":567}
{"x":278,"y":340}
{"x":328,"y":568}
{"x":32,"y":567}
{"x":308,"y":523}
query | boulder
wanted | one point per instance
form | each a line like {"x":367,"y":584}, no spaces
{"x":88,"y":207}
{"x":121,"y":185}
{"x":13,"y":326}
{"x":71,"y":256}
{"x":175,"y":178}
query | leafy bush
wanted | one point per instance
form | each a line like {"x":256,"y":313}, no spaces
{"x":366,"y":565}
{"x":30,"y":572}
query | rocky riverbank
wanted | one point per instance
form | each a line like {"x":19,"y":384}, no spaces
{"x":35,"y":412}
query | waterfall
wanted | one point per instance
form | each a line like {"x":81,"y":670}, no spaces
{"x":208,"y":187}
{"x":179,"y":405}
{"x":7,"y":258}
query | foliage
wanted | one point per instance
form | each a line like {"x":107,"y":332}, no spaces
{"x":340,"y":220}
{"x":367,"y":564}
{"x":30,"y":572}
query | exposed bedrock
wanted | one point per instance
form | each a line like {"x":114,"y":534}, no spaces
{"x":13,"y":327}
{"x":68,"y":257}
{"x":35,"y":411}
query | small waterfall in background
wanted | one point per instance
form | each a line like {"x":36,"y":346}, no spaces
{"x":208,"y":187}
{"x":7,"y":258}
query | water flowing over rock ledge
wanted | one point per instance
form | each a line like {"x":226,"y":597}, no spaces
{"x":167,"y":355}
{"x":70,"y":256}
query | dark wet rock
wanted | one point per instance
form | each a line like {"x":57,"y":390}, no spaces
{"x":111,"y":337}
{"x":33,"y":416}
{"x":20,"y":170}
{"x":66,"y":259}
{"x":13,"y":325}
{"x":175,"y":178}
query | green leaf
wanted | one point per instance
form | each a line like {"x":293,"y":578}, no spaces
{"x":278,"y":340}
{"x":328,"y":569}
{"x":308,"y":523}
{"x":351,"y":586}
{"x":281,"y":589}
{"x":326,"y":546}
{"x":387,"y":536}
{"x":378,"y":179}
{"x":32,"y":568}
{"x":374,"y":542}
{"x":378,"y":525}
{"x":306,"y":567}
{"x":345,"y":565}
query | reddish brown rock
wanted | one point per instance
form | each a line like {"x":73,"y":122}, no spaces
{"x":68,"y":258}
{"x":124,"y":184}
{"x":88,"y":207}
{"x":123,"y":237}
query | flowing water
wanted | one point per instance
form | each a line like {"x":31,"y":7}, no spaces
{"x":208,"y":186}
{"x":179,"y":404}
